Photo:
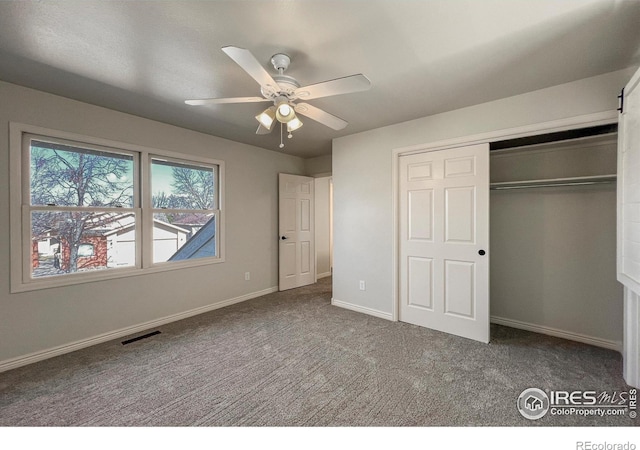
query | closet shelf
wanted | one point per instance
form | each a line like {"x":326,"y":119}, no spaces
{"x":553,"y":182}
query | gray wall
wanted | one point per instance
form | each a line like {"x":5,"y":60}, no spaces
{"x":553,"y":250}
{"x":319,"y":166}
{"x":362,"y":176}
{"x":35,"y":321}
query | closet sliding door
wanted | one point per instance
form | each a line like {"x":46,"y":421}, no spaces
{"x":444,"y":238}
{"x":629,"y":187}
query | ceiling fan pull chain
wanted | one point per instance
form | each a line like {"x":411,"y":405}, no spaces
{"x":281,"y":143}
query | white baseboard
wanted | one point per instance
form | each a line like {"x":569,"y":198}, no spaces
{"x":323,"y":275}
{"x":612,"y":345}
{"x":361,"y":309}
{"x":73,"y":346}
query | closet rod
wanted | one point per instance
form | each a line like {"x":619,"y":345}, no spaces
{"x":556,"y":182}
{"x":529,"y":186}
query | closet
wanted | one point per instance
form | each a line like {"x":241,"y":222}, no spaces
{"x":553,"y":236}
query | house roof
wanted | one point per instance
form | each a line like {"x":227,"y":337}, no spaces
{"x":156,"y":223}
{"x":202,"y":243}
{"x":189,"y":219}
{"x":107,"y":224}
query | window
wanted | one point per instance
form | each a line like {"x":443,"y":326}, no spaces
{"x":86,"y":209}
{"x":86,"y":250}
{"x":77,"y":194}
{"x":183,"y":203}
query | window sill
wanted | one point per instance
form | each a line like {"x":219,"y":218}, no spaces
{"x":107,"y":274}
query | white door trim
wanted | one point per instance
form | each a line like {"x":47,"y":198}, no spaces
{"x":584,"y":121}
{"x":331,"y":225}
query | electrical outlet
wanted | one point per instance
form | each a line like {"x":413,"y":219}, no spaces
{"x":247,"y":276}
{"x":362,"y":286}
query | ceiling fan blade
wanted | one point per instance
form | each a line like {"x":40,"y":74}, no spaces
{"x":245,"y":59}
{"x":263,"y":130}
{"x":217,"y":101}
{"x":320,"y":116}
{"x":345,"y":85}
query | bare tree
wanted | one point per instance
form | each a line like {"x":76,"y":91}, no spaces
{"x":168,"y":202}
{"x":64,"y":176}
{"x":171,"y":201}
{"x":195,"y":186}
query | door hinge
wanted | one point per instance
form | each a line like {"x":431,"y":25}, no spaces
{"x":621,"y":102}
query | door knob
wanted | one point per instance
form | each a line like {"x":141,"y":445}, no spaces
{"x":283,"y":238}
{"x":481,"y":252}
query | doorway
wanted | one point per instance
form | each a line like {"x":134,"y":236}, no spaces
{"x":324,"y":225}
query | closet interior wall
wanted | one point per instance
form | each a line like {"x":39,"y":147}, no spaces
{"x":553,"y":249}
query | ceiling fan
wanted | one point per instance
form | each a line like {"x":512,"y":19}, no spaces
{"x":285,"y":93}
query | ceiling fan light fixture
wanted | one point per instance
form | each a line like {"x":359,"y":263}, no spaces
{"x":294,"y":124}
{"x":267,"y":117}
{"x":285,"y":113}
{"x":284,"y":109}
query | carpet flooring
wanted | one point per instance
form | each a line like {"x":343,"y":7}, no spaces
{"x":292,"y":359}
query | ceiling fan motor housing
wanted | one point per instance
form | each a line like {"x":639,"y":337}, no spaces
{"x":281,"y":62}
{"x":286,"y":86}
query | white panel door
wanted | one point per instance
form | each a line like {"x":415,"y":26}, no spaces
{"x":629,"y":187}
{"x":629,"y":226}
{"x":444,"y":241}
{"x":297,"y":264}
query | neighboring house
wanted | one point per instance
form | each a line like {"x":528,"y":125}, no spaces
{"x":121,"y":247}
{"x":110,"y":243}
{"x":167,"y":240}
{"x":191,"y":222}
{"x":47,"y":245}
{"x":92,"y":252}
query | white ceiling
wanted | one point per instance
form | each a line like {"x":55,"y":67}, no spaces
{"x":422,"y":57}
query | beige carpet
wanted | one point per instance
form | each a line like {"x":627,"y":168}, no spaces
{"x":293,"y":359}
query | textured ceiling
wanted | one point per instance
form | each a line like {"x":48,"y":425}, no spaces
{"x":422,"y":57}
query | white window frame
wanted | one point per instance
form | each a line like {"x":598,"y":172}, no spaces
{"x":149,"y":210}
{"x":20,"y":209}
